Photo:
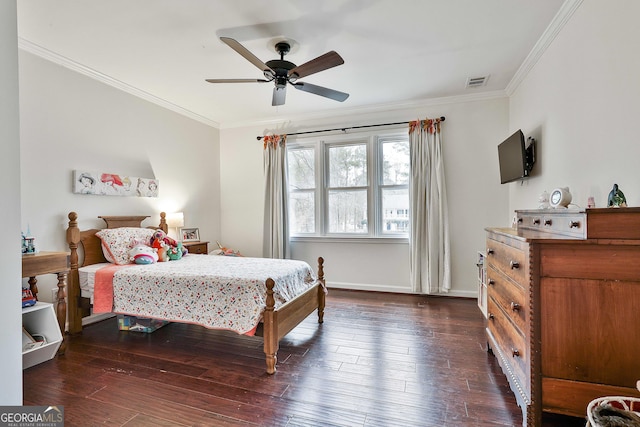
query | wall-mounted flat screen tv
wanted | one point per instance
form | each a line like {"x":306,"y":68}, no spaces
{"x":515,"y":157}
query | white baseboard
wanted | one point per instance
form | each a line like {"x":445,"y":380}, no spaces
{"x":396,"y":289}
{"x":96,"y":318}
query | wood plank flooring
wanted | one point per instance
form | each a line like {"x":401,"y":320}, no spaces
{"x":378,"y":360}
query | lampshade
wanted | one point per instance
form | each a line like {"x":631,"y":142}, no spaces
{"x":175,"y":220}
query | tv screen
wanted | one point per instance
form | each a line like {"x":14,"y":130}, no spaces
{"x":512,"y":156}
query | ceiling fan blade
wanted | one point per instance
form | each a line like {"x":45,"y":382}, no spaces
{"x":235,"y":45}
{"x":279,"y":95}
{"x":321,"y":63}
{"x":322,"y":91}
{"x":237,"y":80}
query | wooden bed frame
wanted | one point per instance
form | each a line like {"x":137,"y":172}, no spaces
{"x":276,"y":323}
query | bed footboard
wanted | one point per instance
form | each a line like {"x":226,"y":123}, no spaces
{"x":278,"y":323}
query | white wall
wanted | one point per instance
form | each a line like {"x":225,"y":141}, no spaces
{"x":10,"y":262}
{"x":471,"y":133}
{"x":581,"y":103}
{"x":69,"y":121}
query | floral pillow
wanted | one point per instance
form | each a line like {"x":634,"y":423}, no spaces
{"x":116,"y":242}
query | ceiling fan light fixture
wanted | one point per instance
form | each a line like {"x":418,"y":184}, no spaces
{"x":269,"y":74}
{"x":281,"y":71}
{"x":281,"y":82}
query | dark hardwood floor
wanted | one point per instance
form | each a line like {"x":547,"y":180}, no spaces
{"x":378,"y":360}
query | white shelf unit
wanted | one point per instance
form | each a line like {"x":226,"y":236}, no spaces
{"x":482,"y":283}
{"x":41,"y":319}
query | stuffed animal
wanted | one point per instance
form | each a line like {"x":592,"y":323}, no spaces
{"x":142,"y":254}
{"x":225,"y":251}
{"x":175,"y":254}
{"x":161,"y":248}
{"x":160,"y":238}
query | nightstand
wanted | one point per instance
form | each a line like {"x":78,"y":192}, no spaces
{"x":197,"y":247}
{"x":37,"y":316}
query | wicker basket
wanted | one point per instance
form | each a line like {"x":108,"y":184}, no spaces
{"x":631,"y":404}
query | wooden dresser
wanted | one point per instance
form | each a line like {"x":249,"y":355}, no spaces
{"x":564,"y":307}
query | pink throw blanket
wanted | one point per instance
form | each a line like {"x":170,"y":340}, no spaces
{"x":103,"y":288}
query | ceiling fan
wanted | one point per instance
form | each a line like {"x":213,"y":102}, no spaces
{"x":282,"y":72}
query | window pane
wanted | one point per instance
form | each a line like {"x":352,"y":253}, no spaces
{"x":395,"y":205}
{"x":301,"y":168}
{"x":395,"y":163}
{"x":302,"y":212}
{"x":348,"y":166}
{"x":348,"y":211}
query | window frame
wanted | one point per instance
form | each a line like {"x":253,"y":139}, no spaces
{"x":326,"y":188}
{"x":381,"y":186}
{"x":374,"y":143}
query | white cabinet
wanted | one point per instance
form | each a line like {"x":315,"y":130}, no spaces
{"x":40,"y":319}
{"x":482,"y":284}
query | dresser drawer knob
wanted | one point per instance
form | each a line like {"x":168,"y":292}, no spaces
{"x":490,"y":316}
{"x":490,"y":251}
{"x":515,"y":306}
{"x":547,"y":222}
{"x":574,"y":224}
{"x":491,"y":282}
{"x":515,"y":352}
{"x":536,"y":221}
{"x":514,"y":265}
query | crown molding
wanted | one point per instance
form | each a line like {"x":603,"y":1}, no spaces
{"x":42,"y":52}
{"x":561,"y":18}
{"x":565,"y":13}
{"x":378,"y":108}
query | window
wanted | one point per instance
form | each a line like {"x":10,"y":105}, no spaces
{"x":302,"y":189}
{"x":394,"y":188}
{"x":349,"y":187}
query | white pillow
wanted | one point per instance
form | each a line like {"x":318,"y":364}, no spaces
{"x":116,"y":242}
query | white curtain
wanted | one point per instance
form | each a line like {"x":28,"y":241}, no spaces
{"x":429,"y":239}
{"x":276,"y":232}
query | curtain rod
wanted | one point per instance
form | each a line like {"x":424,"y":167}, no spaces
{"x":442,"y":118}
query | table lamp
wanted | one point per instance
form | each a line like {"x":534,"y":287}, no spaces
{"x":176,"y":220}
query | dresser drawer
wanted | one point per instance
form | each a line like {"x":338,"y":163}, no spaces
{"x":507,"y":259}
{"x":510,"y":342}
{"x":508,"y":296}
{"x":197,"y":247}
{"x":570,"y":225}
{"x":554,"y":222}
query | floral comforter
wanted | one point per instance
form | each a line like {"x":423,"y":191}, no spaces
{"x":213,"y":291}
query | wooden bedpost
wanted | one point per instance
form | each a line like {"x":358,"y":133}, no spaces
{"x":322,"y":290}
{"x":270,"y":329}
{"x":73,"y":291}
{"x":163,"y":222}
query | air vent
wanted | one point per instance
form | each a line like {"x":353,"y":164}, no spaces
{"x":477,"y":81}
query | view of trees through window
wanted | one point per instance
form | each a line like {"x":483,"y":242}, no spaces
{"x":358,"y":187}
{"x":395,"y":186}
{"x":302,"y":188}
{"x":347,"y":200}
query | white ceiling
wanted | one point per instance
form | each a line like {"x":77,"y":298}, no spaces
{"x":396,"y":53}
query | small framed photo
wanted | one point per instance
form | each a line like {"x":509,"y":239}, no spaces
{"x":190,"y":234}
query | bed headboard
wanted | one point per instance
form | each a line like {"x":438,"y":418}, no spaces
{"x":91,"y":244}
{"x":92,"y":254}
